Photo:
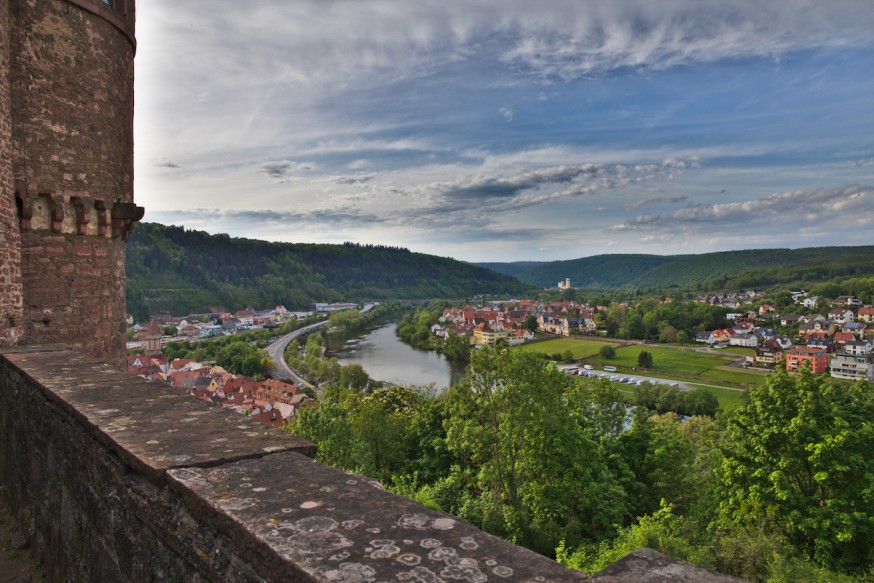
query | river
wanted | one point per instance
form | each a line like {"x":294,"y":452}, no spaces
{"x":386,"y":358}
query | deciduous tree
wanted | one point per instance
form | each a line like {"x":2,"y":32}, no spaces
{"x":799,"y":458}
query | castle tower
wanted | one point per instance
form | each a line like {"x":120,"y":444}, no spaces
{"x":153,"y":339}
{"x":66,"y":171}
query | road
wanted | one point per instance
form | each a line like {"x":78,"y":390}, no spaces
{"x":281,"y":370}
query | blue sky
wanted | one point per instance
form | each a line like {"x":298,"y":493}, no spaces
{"x":510,"y":130}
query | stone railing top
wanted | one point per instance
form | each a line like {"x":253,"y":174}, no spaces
{"x":307,"y":519}
{"x":151,"y":426}
{"x":647,"y":565}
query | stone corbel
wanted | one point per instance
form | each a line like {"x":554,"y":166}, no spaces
{"x":83,"y":214}
{"x":124,"y":215}
{"x":24,"y":204}
{"x":102,"y":217}
{"x":56,"y":212}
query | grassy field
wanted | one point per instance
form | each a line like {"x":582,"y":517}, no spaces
{"x":739,"y":350}
{"x":706,"y":367}
{"x":669,"y":363}
{"x":579,"y":348}
{"x":728,"y":399}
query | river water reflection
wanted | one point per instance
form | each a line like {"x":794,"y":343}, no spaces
{"x":385,"y":358}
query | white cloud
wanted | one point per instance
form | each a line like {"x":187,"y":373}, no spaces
{"x":589,"y":38}
{"x":285,"y":170}
{"x":832,"y":206}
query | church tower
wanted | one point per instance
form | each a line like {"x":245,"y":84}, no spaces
{"x":153,"y":339}
{"x":66,"y":172}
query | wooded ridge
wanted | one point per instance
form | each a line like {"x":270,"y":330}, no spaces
{"x":181,"y":271}
{"x":752,"y":267}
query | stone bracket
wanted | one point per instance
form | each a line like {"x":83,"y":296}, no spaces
{"x":83,"y":214}
{"x":56,"y":212}
{"x":124,"y":215}
{"x":103,"y":219}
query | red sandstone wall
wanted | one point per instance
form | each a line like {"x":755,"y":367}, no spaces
{"x":76,"y":291}
{"x":73,"y":101}
{"x":10,"y":247}
{"x":71,"y":80}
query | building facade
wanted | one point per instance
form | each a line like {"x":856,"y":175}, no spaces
{"x":816,"y":358}
{"x":854,"y":362}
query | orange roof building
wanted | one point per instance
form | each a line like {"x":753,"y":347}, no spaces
{"x":816,"y":357}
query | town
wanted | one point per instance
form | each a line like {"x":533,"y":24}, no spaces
{"x":834,"y":337}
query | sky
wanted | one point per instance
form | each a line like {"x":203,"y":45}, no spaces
{"x":510,"y":130}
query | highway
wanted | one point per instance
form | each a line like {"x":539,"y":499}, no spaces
{"x":281,"y":370}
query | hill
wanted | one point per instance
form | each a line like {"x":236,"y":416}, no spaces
{"x":608,"y":271}
{"x":757,"y":267}
{"x":182,"y":271}
{"x":512,"y":269}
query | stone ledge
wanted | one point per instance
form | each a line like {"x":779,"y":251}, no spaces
{"x":649,"y":566}
{"x":302,"y":519}
{"x":150,"y":426}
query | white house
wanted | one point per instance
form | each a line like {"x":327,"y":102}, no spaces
{"x":810,"y":302}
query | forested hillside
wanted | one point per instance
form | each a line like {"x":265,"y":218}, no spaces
{"x":597,"y":271}
{"x":514,"y":268}
{"x":181,"y":271}
{"x":755,"y":267}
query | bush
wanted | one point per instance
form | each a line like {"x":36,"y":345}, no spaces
{"x":644,"y":359}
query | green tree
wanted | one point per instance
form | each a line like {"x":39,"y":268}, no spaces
{"x":644,"y":359}
{"x":663,"y":531}
{"x":798,"y":457}
{"x":531,"y":323}
{"x":699,"y":401}
{"x":668,"y":334}
{"x":456,"y":348}
{"x":379,"y":421}
{"x":329,"y":427}
{"x":632,"y":326}
{"x":683,"y":337}
{"x":607,"y":351}
{"x":354,"y":377}
{"x":540,"y":475}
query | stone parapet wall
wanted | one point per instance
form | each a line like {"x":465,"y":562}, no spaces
{"x":119,"y":479}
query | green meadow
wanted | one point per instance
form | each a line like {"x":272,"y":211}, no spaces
{"x":710,"y":370}
{"x":703,"y":366}
{"x":579,"y":348}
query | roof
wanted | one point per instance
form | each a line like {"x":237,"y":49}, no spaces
{"x":807,"y":350}
{"x":153,"y":329}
